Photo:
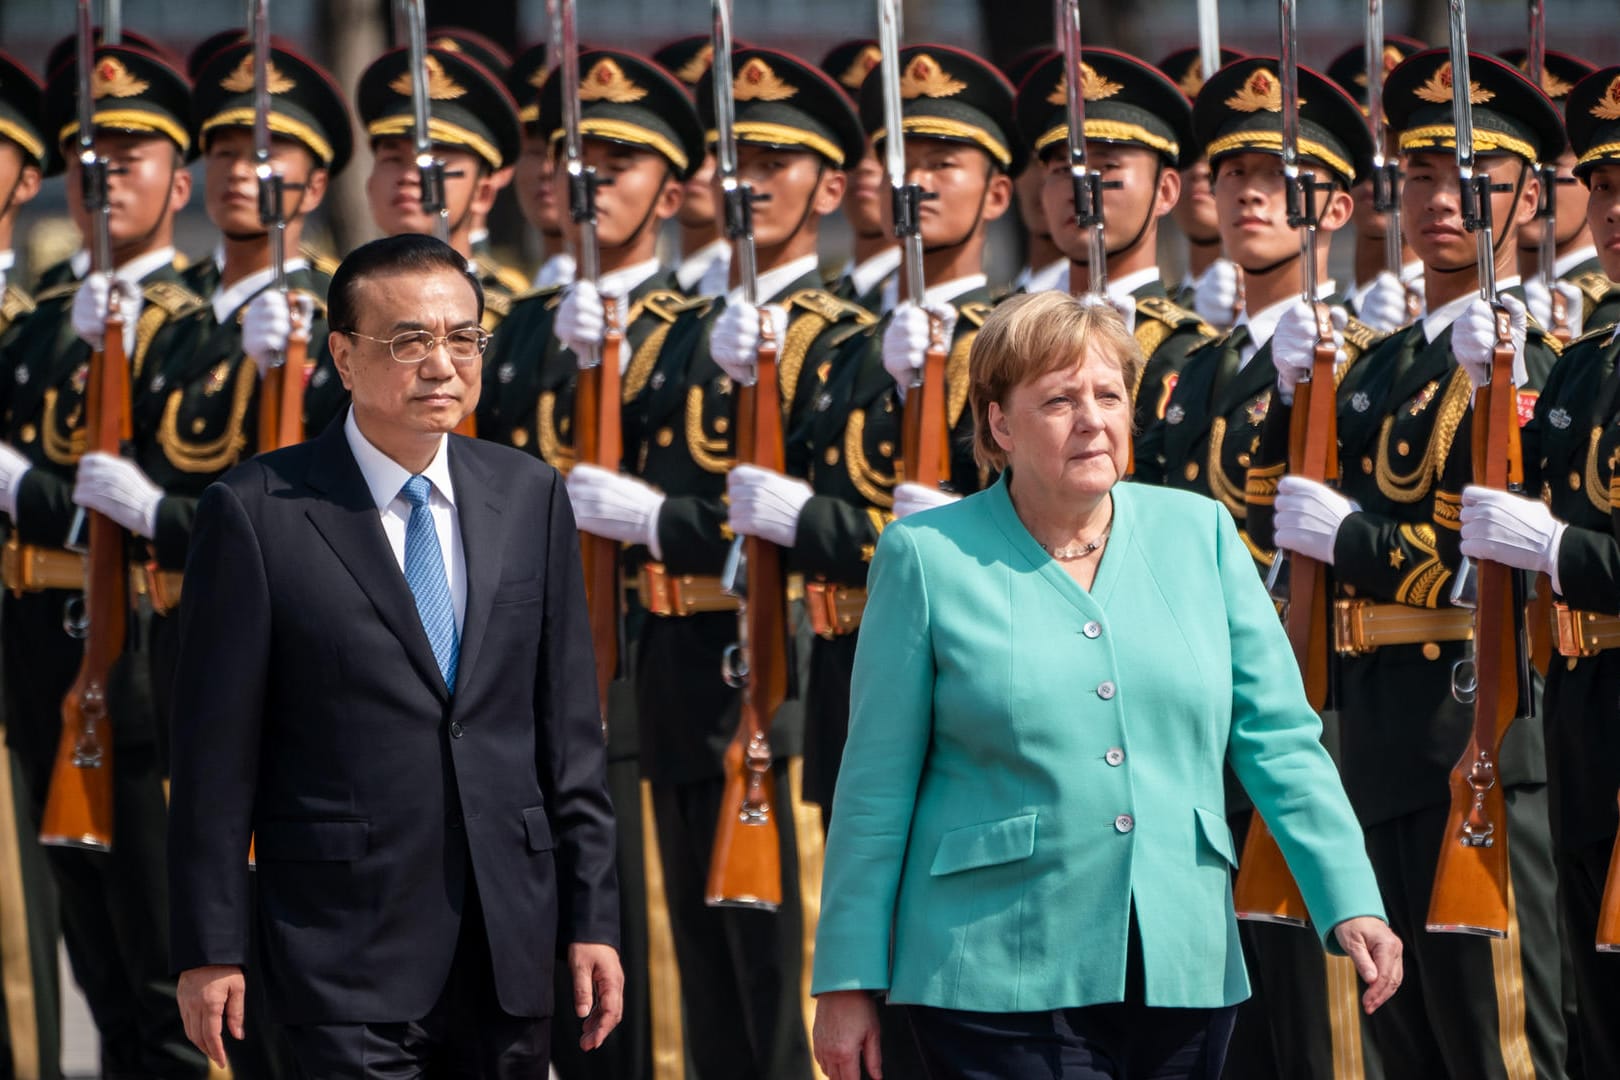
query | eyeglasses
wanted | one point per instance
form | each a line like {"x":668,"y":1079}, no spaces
{"x":413,"y":346}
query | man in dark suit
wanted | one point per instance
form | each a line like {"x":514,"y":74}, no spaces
{"x":384,"y":682}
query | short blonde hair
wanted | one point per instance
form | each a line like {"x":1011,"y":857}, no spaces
{"x":1036,"y":334}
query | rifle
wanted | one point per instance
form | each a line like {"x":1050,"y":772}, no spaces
{"x":596,"y":404}
{"x":1265,"y":890}
{"x":1470,"y":893}
{"x":1535,"y":63}
{"x":1209,"y":37}
{"x":1386,"y":171}
{"x":79,"y":806}
{"x":925,"y":450}
{"x":281,"y":392}
{"x":745,"y":869}
{"x":1608,"y":928}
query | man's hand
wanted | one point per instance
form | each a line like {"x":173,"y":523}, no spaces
{"x":205,"y":995}
{"x":117,"y":488}
{"x":846,"y":1035}
{"x":1375,"y":950}
{"x":598,"y":991}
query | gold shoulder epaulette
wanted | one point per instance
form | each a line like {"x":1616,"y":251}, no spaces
{"x":975,"y":312}
{"x":1603,"y":333}
{"x":1537,"y":332}
{"x":320,"y":260}
{"x":509,"y":279}
{"x":56,"y":292}
{"x":1173,"y":314}
{"x":14,"y":305}
{"x":498,"y":304}
{"x":1361,"y":335}
{"x":825,"y":304}
{"x":666,"y":305}
{"x":172,"y":297}
{"x":1594,"y":284}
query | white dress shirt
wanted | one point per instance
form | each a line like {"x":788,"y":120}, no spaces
{"x":227,"y":299}
{"x":698,"y":269}
{"x":773,"y":282}
{"x":1053,"y":276}
{"x":943,"y":293}
{"x":1436,"y":321}
{"x":385,"y":477}
{"x":866,"y":275}
{"x":131,"y":272}
{"x":1263,"y":323}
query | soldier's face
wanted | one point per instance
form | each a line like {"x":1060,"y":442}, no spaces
{"x":146,"y":188}
{"x":1068,"y":431}
{"x":533,"y":186}
{"x":698,"y":199}
{"x":1432,"y":208}
{"x":1144,"y":193}
{"x":1251,"y":204}
{"x":1369,"y":224}
{"x":1032,"y":213}
{"x":395,"y":193}
{"x":969,"y":190}
{"x":864,"y":197}
{"x":408,"y":400}
{"x":640,"y":194}
{"x":1195,"y":212}
{"x":231,"y":187}
{"x":798,"y":185}
{"x":1603,"y":215}
{"x":19,"y":180}
{"x":1570,"y":208}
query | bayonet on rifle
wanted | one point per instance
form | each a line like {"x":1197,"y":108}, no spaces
{"x":1086,"y":181}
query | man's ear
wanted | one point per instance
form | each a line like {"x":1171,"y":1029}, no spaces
{"x":670,"y":198}
{"x":27,"y":185}
{"x":1339,"y":210}
{"x":1529,"y":197}
{"x":1169,"y":192}
{"x":485,"y":188}
{"x":179,"y":191}
{"x":342,"y":345}
{"x":314,"y":192}
{"x":998,"y":199}
{"x":830,"y":192}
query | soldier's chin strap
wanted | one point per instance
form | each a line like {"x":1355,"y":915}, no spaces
{"x":646,"y":218}
{"x":1503,"y":234}
{"x":809,"y":203}
{"x":16,"y":186}
{"x":1147,"y":219}
{"x":978,"y":218}
{"x":142,"y":244}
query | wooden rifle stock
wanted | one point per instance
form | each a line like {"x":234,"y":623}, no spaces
{"x":1608,"y":928}
{"x":1265,"y":890}
{"x":926,"y":450}
{"x":600,"y":442}
{"x":1470,"y":894}
{"x":79,"y":807}
{"x":745,"y":869}
{"x":281,"y":393}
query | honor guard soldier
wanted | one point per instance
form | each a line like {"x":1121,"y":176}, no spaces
{"x":1138,"y":129}
{"x":875,"y":257}
{"x":1565,"y":530}
{"x":704,"y":251}
{"x":533,"y":182}
{"x":1381,"y":298}
{"x":1301,"y":1020}
{"x":1211,"y":285}
{"x":29,"y":1015}
{"x":114,"y":919}
{"x":1589,"y":299}
{"x":641,"y":135}
{"x":1045,"y":265}
{"x":796,"y":133}
{"x":1471,"y":1006}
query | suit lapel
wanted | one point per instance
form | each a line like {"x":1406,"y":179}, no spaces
{"x":348,"y":520}
{"x":483,"y":539}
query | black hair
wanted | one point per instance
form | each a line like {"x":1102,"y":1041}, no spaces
{"x":408,"y":253}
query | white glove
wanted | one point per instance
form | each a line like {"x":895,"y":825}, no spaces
{"x":905,"y":342}
{"x":1473,"y":339}
{"x":90,"y":310}
{"x":1308,"y":517}
{"x":117,"y":488}
{"x":1511,"y":530}
{"x":1293,"y":345}
{"x":582,"y":324}
{"x":1539,"y":301}
{"x":1384,"y":306}
{"x":12,"y":467}
{"x":267,"y":324}
{"x":913,"y":498}
{"x":615,"y":506}
{"x":734,"y":341}
{"x":766,"y":504}
{"x":1215,"y":294}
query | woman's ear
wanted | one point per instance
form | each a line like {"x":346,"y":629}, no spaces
{"x":1000,"y":430}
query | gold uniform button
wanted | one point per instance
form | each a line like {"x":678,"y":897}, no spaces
{"x":1366,"y":465}
{"x":1403,"y":448}
{"x":721,"y":424}
{"x":198,"y":426}
{"x":1243,"y":460}
{"x":886,"y":448}
{"x":520,"y":437}
{"x":1191,"y":472}
{"x":1431,"y":651}
{"x":1574,"y":481}
{"x":29,"y":433}
{"x":832,"y":455}
{"x":665,"y":436}
{"x":563,"y":425}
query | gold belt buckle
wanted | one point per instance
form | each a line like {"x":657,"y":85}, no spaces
{"x":157,"y":589}
{"x":655,"y":589}
{"x":1349,"y":638}
{"x":821,"y":603}
{"x":1567,"y":622}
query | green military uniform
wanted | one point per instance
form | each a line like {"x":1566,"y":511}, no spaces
{"x":1469,"y":1006}
{"x":113,"y":905}
{"x":849,"y":63}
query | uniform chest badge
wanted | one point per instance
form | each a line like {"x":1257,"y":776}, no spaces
{"x":21,"y":375}
{"x":1526,"y":401}
{"x":81,"y":378}
{"x":1175,"y":414}
{"x":159,"y":381}
{"x":723,"y":384}
{"x":505,"y":373}
{"x":318,"y":379}
{"x":657,"y":381}
{"x":1360,"y":402}
{"x":823,"y":402}
{"x":1258,"y":408}
{"x":1423,"y":398}
{"x":216,"y":378}
{"x":1559,"y":418}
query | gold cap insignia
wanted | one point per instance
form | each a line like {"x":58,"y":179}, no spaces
{"x":538,"y":79}
{"x":924,"y":77}
{"x":441,"y":87}
{"x":1192,"y":80}
{"x":240,"y":81}
{"x":1093,"y":87}
{"x":606,"y":81}
{"x":1608,"y":106}
{"x":1392,"y":60}
{"x":1438,"y":89}
{"x":448,"y":44}
{"x":1260,"y":91}
{"x":757,"y":82}
{"x":1553,"y":86}
{"x":865,"y":60}
{"x":113,"y":79}
{"x":695,"y":68}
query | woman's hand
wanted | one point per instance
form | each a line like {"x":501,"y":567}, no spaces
{"x":846,"y":1033}
{"x":1375,"y":950}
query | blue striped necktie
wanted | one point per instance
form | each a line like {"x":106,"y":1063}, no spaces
{"x":424,"y":573}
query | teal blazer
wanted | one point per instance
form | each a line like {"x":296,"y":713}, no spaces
{"x":1027,"y":760}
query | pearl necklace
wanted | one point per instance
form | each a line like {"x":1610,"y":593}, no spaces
{"x":1071,"y":552}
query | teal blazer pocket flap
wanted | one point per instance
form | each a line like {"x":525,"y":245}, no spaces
{"x":538,"y":828}
{"x":1217,"y":834}
{"x":987,"y":844}
{"x":311,"y":841}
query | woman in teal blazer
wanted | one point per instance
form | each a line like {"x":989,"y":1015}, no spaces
{"x":1029,"y":843}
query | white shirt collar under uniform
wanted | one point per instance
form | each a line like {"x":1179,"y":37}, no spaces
{"x":866,"y":275}
{"x":132,"y":271}
{"x":1565,"y":263}
{"x":693,"y":268}
{"x":1435,"y":322}
{"x":1053,"y":276}
{"x":943,"y":293}
{"x":622,"y":282}
{"x":1122,"y":291}
{"x":772,"y":282}
{"x":226,"y":300}
{"x":8,"y":259}
{"x":1263,"y":323}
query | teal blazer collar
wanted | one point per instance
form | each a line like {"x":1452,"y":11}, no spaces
{"x":998,"y":499}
